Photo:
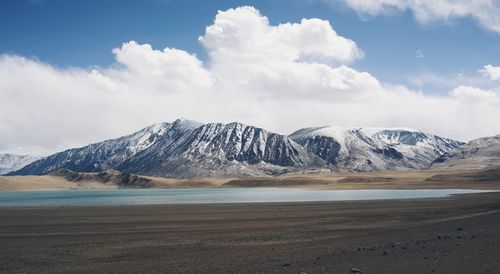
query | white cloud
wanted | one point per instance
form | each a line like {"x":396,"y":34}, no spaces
{"x":279,"y":77}
{"x":485,"y":12}
{"x":474,"y":95}
{"x":171,"y":70}
{"x":492,"y":72}
{"x":443,"y":83}
{"x":245,"y":30}
{"x":287,"y":61}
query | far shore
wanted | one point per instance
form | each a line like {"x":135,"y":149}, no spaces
{"x":488,"y":179}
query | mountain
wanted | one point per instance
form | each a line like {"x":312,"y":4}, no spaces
{"x":187,"y":149}
{"x":477,"y":154}
{"x":12,"y":162}
{"x":223,"y":150}
{"x":110,"y":153}
{"x":373,"y":149}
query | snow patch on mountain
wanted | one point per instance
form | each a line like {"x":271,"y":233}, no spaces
{"x":371,"y":149}
{"x":223,"y":150}
{"x":13,"y":162}
{"x":110,"y":153}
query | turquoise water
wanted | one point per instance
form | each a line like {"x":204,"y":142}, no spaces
{"x":116,"y":197}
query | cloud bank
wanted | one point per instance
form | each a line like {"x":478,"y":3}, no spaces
{"x":485,"y":12}
{"x":280,"y":77}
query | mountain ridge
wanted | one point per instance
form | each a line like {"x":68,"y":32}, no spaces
{"x":374,"y":149}
{"x":187,"y":149}
{"x":477,"y":154}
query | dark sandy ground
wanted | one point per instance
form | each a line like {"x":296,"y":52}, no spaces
{"x":459,"y":234}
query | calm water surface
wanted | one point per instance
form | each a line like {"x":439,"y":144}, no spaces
{"x":117,"y":197}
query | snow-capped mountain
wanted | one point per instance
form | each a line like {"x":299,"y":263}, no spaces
{"x":477,"y":154}
{"x":371,"y":149}
{"x":110,"y":153}
{"x":221,"y":150}
{"x":13,"y":162}
{"x":185,"y":148}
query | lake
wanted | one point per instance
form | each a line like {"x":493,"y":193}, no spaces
{"x":121,"y":197}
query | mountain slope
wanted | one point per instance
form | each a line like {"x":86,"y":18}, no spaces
{"x":110,"y":153}
{"x":186,"y":149}
{"x":222,"y":150}
{"x":477,"y":154}
{"x":12,"y":162}
{"x":372,"y":149}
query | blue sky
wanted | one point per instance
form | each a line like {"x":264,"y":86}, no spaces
{"x":82,"y":33}
{"x":77,"y":72}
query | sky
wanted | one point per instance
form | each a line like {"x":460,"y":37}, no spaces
{"x":77,"y":72}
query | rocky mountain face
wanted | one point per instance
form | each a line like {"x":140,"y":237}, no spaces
{"x":13,"y":162}
{"x":186,"y":149}
{"x":223,"y":150}
{"x":373,"y":149}
{"x":477,"y":154}
{"x":108,"y":154}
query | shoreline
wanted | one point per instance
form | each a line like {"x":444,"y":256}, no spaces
{"x":297,"y":187}
{"x":95,"y":198}
{"x":488,"y":179}
{"x":242,"y":204}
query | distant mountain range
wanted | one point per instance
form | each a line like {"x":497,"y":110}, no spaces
{"x":13,"y":162}
{"x":477,"y":154}
{"x":186,"y":149}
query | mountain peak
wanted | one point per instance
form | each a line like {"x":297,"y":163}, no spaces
{"x":186,"y":123}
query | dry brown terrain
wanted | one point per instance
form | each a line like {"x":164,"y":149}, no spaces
{"x":30,"y":183}
{"x":376,"y":180}
{"x":458,"y":234}
{"x":473,"y":179}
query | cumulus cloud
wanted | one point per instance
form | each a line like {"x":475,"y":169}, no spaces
{"x":280,"y":77}
{"x":170,"y":70}
{"x":289,"y":61}
{"x":492,"y":72}
{"x":245,"y":29}
{"x":474,"y":95}
{"x":485,"y":12}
